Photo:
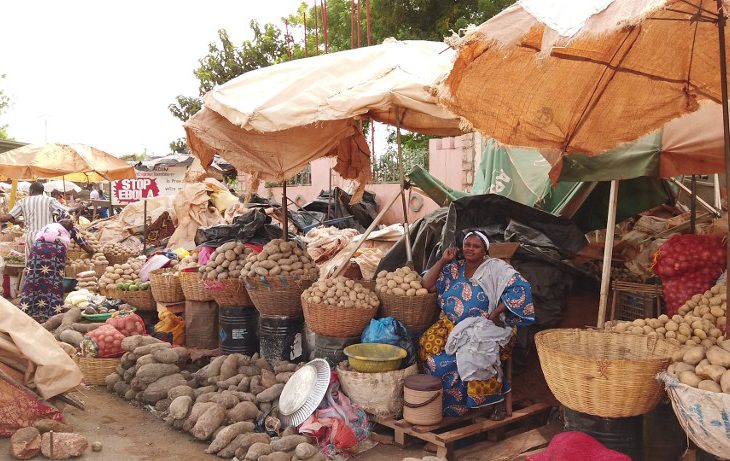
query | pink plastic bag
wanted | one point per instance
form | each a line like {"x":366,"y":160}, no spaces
{"x":204,"y":255}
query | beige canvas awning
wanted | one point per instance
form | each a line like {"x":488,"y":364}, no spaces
{"x":272,"y":121}
{"x":73,"y":162}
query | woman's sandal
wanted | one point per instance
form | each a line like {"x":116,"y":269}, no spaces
{"x":499,"y":413}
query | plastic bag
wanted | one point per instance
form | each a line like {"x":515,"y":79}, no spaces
{"x":390,"y":331}
{"x":171,"y":323}
{"x":128,"y":324}
{"x":103,"y":342}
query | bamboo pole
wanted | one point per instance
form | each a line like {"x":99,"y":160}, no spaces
{"x":608,"y":252}
{"x":409,"y":250}
{"x":704,"y":204}
{"x":364,"y":237}
{"x":693,"y":206}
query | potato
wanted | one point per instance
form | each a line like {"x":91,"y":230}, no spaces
{"x":725,"y":382}
{"x":719,"y":356}
{"x":708,"y":371}
{"x":676,"y":368}
{"x":227,"y":434}
{"x":709,"y":385}
{"x":208,"y":422}
{"x":243,"y":442}
{"x":256,"y":450}
{"x":694,"y":355}
{"x":288,"y":443}
{"x":670,"y":325}
{"x":689,"y":378}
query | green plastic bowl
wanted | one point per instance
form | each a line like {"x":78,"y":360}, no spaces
{"x":375,"y":358}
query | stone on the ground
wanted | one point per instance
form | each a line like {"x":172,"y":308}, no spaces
{"x":96,"y":446}
{"x":25,"y":443}
{"x":65,"y":445}
{"x":45,"y":425}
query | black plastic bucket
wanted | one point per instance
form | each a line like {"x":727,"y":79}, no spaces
{"x":620,"y":434}
{"x":664,"y":438}
{"x":238,"y":330}
{"x":332,"y":349}
{"x":280,"y":337}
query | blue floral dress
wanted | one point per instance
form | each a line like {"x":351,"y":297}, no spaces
{"x":460,"y":298}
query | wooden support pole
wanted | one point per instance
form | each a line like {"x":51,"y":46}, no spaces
{"x":608,"y":252}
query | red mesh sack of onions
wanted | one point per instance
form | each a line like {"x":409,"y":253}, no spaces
{"x":128,"y":324}
{"x":103,"y":342}
{"x":688,"y":265}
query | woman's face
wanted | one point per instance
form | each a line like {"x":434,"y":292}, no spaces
{"x":474,"y":250}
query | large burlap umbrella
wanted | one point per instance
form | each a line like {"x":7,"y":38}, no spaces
{"x":72,"y":162}
{"x":272,"y":122}
{"x":583,"y":77}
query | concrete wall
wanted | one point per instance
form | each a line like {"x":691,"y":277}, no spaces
{"x":451,"y":160}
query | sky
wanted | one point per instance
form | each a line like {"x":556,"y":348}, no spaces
{"x":103,"y":73}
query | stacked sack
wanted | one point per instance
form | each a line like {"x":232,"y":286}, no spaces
{"x":87,"y":281}
{"x":221,"y":403}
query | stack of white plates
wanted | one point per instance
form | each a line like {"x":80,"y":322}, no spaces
{"x":304,"y":392}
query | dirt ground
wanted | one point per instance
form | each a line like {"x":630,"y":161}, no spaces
{"x":130,"y":433}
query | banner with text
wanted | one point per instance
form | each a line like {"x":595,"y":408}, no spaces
{"x":162,"y":180}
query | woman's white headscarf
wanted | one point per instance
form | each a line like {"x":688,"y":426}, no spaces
{"x":481,"y":236}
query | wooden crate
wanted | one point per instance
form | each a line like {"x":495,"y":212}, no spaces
{"x":450,"y":430}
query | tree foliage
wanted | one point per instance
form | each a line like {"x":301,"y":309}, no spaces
{"x":226,"y":61}
{"x":4,"y":103}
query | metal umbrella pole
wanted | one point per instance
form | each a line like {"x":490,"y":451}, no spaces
{"x":409,"y":250}
{"x":725,"y":115}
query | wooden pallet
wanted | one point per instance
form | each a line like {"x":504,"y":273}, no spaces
{"x":453,"y":429}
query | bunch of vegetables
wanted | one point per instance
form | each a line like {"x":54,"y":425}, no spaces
{"x":688,"y":264}
{"x":133,"y":286}
{"x":280,"y":258}
{"x":223,"y":403}
{"x":226,"y":261}
{"x":102,"y":342}
{"x":700,"y":321}
{"x":404,"y":281}
{"x":121,"y":274}
{"x":706,"y":368}
{"x":341,"y":292}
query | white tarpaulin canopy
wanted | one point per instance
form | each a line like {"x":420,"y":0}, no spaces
{"x":61,"y":186}
{"x":271,"y":122}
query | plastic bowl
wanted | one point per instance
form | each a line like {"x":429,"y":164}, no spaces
{"x":374,"y":358}
{"x":69,"y":284}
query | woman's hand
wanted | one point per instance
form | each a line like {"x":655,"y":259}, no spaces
{"x":449,"y":254}
{"x":494,"y":316}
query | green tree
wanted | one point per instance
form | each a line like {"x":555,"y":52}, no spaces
{"x":179,"y":146}
{"x":226,"y":61}
{"x":4,"y":103}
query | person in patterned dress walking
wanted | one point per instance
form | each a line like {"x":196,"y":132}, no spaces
{"x":460,"y":285}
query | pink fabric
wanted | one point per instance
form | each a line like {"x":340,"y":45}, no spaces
{"x":577,"y":446}
{"x":54,"y":232}
{"x":204,"y":255}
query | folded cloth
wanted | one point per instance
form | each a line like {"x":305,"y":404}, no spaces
{"x":476,"y":342}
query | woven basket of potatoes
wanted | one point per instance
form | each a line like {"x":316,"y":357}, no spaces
{"x":116,"y":253}
{"x":276,"y":277}
{"x":700,"y":321}
{"x":339,"y":307}
{"x":191,"y":280}
{"x":118,"y":274}
{"x":221,"y":275}
{"x":403,"y":297}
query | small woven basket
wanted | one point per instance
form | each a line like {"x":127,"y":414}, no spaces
{"x":412,"y":311}
{"x":117,"y":259}
{"x":193,"y":287}
{"x":277,"y":295}
{"x":229,"y":292}
{"x":96,"y":370}
{"x":100,"y":268}
{"x":166,"y":286}
{"x":141,"y":299}
{"x":336,"y":322}
{"x":612,"y":375}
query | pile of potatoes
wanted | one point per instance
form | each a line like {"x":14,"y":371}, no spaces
{"x":706,"y":368}
{"x":75,"y":266}
{"x":220,"y":403}
{"x":190,"y":261}
{"x":90,"y":238}
{"x":121,"y":273}
{"x":280,"y":258}
{"x":226,"y":261}
{"x":404,"y":281}
{"x":117,"y":250}
{"x":341,"y":292}
{"x":700,"y":321}
{"x":87,"y":280}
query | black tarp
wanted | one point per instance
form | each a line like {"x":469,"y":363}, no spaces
{"x":546,"y":241}
{"x":362,"y":214}
{"x":252,"y":227}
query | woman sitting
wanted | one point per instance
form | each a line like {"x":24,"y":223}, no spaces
{"x":42,"y":294}
{"x":483,"y":300}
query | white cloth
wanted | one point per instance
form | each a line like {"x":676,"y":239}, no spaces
{"x":566,"y":17}
{"x":493,"y":276}
{"x":94,"y":194}
{"x":476,"y":342}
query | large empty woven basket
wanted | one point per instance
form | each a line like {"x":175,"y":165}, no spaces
{"x":612,"y":375}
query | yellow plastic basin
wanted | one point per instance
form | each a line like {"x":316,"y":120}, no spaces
{"x":375,"y":358}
